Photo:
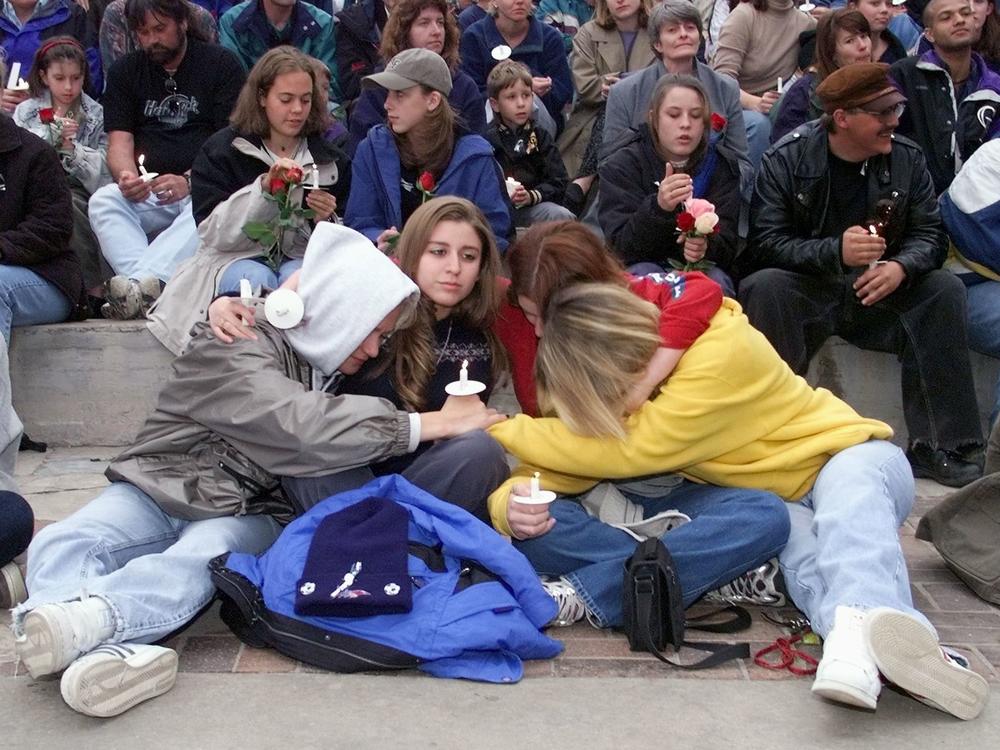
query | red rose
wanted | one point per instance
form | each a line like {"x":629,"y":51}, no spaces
{"x":685,"y":221}
{"x":276,"y":185}
{"x":47,"y":115}
{"x":426,"y":181}
{"x":718,"y":122}
{"x":293,"y":175}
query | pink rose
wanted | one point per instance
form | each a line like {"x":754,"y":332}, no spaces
{"x":698,"y":206}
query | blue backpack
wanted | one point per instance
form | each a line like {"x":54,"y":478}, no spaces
{"x":477,"y":604}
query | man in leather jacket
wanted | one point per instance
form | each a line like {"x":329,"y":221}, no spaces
{"x":846,"y":239}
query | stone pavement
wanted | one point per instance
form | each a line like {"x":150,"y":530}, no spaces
{"x":63,"y":479}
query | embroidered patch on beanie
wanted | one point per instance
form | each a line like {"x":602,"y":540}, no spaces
{"x":357,"y":563}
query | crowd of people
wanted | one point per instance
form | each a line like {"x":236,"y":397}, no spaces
{"x":650,"y":216}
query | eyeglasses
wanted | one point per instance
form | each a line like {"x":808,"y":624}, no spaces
{"x":889,"y":113}
{"x":384,"y":339}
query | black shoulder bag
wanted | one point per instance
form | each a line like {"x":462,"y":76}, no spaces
{"x":654,"y":611}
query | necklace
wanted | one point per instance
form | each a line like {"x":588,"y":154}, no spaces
{"x":289,"y":149}
{"x":444,"y":347}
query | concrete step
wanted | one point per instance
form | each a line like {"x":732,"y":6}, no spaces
{"x":93,"y":383}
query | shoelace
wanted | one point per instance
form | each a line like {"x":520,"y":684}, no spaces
{"x":571,"y":606}
{"x":744,"y":590}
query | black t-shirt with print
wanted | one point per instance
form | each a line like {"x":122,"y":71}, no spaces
{"x":171,"y":116}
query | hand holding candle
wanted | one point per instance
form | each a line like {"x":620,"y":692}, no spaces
{"x":463,"y":386}
{"x":143,"y":174}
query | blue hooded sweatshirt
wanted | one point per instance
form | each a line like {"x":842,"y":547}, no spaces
{"x":375,"y":203}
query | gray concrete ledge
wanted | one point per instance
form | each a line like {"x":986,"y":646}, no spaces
{"x":93,"y":383}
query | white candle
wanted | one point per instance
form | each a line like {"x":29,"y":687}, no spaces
{"x":874,"y":233}
{"x":463,"y":375}
{"x":315,"y":177}
{"x":142,"y":159}
{"x":535,"y":485}
{"x":15,"y":75}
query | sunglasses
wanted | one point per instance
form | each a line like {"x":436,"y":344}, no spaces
{"x":887,"y":114}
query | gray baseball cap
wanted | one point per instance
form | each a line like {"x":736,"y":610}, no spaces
{"x":413,"y":67}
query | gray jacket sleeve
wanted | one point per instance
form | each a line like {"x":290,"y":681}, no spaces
{"x":242,"y":393}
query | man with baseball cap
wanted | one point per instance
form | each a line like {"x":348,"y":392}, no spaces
{"x":846,"y":239}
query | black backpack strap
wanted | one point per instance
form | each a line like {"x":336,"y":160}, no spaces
{"x":717,"y":653}
{"x":739,"y":620}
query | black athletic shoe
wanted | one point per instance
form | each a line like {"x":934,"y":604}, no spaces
{"x":943,"y":466}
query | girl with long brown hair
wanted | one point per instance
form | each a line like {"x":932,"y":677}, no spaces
{"x":428,"y":24}
{"x":420,"y":153}
{"x":276,"y":126}
{"x":646,"y":187}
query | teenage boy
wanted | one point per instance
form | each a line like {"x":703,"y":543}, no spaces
{"x":536,"y":176}
{"x":233,"y":424}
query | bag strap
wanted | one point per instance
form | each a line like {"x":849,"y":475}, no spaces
{"x":718,"y":653}
{"x":740,"y":620}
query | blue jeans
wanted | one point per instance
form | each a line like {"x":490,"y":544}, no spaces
{"x":123,"y":228}
{"x":843,"y":547}
{"x":731,"y":531}
{"x":26,"y":299}
{"x":151,"y":568}
{"x":982,"y":302}
{"x":17,"y":523}
{"x":758,"y":135}
{"x":258,"y":273}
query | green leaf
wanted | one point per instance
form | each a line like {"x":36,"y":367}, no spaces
{"x":256,"y":229}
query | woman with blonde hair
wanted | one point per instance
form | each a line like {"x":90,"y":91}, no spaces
{"x":275,"y":129}
{"x":431,"y":25}
{"x":732,"y":413}
{"x":420,"y":153}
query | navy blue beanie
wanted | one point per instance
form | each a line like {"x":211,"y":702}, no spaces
{"x":356,"y":566}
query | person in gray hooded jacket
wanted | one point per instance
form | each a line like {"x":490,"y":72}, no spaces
{"x":203,"y":476}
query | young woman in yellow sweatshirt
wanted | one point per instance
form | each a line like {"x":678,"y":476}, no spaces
{"x":733,"y":414}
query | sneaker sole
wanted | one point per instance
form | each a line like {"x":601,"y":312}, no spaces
{"x":842,"y":692}
{"x":908,"y":654}
{"x":108,"y":688}
{"x":12,"y":589}
{"x":40,"y":648}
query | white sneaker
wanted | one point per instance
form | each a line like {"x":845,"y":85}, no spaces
{"x":116,"y":676}
{"x":909,"y":656}
{"x":847,"y":673}
{"x":12,"y":588}
{"x":55,"y":635}
{"x":571,"y":606}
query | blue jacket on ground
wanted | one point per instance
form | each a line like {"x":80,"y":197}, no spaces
{"x":58,"y":18}
{"x":465,"y":99}
{"x":462,"y":624}
{"x":542,"y":51}
{"x":472,"y":173}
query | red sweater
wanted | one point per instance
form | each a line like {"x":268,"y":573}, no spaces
{"x":687,"y":302}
